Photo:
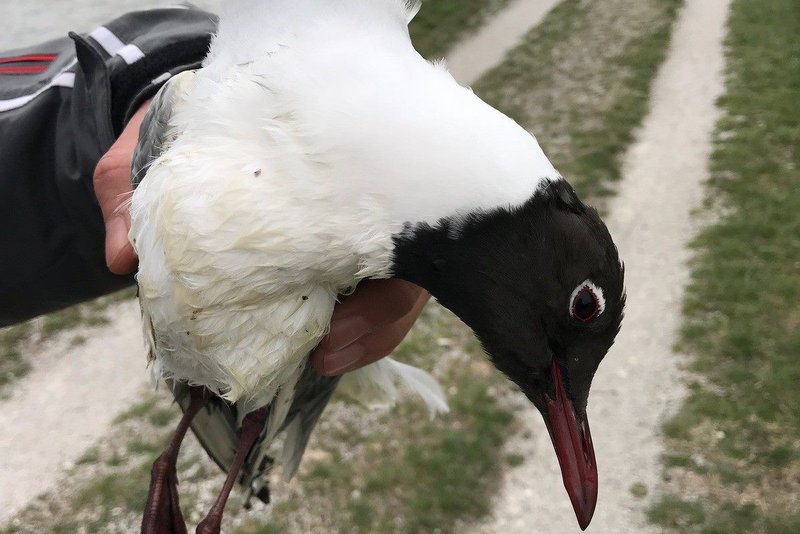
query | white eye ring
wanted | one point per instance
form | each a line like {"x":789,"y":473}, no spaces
{"x":597,"y":292}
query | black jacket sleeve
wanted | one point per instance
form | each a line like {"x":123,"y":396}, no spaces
{"x":62,"y":105}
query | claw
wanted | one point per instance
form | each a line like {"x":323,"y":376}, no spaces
{"x":162,"y":513}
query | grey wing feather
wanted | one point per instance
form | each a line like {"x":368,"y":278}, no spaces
{"x":313,"y":393}
{"x":154,"y":133}
{"x":215,"y":425}
{"x":153,"y":140}
{"x":216,"y":428}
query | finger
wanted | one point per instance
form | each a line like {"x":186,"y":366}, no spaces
{"x":370,"y":347}
{"x":374,"y":304}
{"x":112,"y":188}
{"x":111,"y":184}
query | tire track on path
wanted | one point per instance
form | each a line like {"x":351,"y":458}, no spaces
{"x":485,"y":49}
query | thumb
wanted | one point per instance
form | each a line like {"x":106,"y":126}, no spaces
{"x":112,"y":187}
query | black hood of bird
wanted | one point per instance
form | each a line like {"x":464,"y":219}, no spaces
{"x":513,"y":275}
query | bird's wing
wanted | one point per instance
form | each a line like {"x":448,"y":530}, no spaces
{"x":154,"y":139}
{"x":313,"y":393}
{"x":154,"y":133}
{"x":216,"y":427}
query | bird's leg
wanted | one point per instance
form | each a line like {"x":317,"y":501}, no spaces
{"x":252,"y":425}
{"x":162,"y":514}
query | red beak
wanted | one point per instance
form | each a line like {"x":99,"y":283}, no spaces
{"x":574,"y":449}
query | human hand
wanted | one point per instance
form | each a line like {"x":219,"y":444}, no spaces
{"x":112,"y":187}
{"x":369,"y":324}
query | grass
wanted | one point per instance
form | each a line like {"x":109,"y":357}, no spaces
{"x":13,"y":364}
{"x":445,"y":473}
{"x":515,"y":460}
{"x":91,"y":313}
{"x":108,"y":479}
{"x":442,"y":23}
{"x":743,"y":303}
{"x":581,"y":82}
{"x":638,"y":490}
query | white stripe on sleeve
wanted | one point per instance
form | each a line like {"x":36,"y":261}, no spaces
{"x":115,"y":47}
{"x":130,"y":53}
{"x":105,"y":38}
{"x":62,"y":79}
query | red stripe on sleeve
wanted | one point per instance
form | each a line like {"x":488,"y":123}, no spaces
{"x":29,"y":57}
{"x":33,"y":69}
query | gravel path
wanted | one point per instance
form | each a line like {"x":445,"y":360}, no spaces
{"x":639,"y":382}
{"x":66,"y":402}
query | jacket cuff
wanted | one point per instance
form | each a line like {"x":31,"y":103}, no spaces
{"x":140,"y":51}
{"x":142,"y":80}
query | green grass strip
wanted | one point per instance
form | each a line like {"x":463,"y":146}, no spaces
{"x":13,"y":364}
{"x":580,"y":81}
{"x":736,"y":441}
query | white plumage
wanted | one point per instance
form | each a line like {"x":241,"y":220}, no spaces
{"x":313,"y":133}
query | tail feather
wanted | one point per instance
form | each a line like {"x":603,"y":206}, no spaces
{"x":293,"y":448}
{"x":297,"y":407}
{"x":375,"y":385}
{"x":313,"y":393}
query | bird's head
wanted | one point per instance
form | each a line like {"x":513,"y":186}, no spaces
{"x":541,"y":285}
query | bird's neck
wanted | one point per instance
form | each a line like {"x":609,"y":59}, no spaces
{"x":471,"y":263}
{"x":374,"y":117}
{"x":430,"y":147}
{"x":498,"y":270}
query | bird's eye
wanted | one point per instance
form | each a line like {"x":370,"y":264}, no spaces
{"x":586,"y":302}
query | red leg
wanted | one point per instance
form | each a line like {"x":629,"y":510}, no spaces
{"x":252,"y":425}
{"x":162,"y":513}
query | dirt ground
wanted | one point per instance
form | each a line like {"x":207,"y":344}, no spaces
{"x":73,"y":393}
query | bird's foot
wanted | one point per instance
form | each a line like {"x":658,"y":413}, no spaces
{"x":211,"y":524}
{"x":162,"y":515}
{"x":252,"y":425}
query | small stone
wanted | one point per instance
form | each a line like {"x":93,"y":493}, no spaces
{"x":638,"y":490}
{"x":480,"y":369}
